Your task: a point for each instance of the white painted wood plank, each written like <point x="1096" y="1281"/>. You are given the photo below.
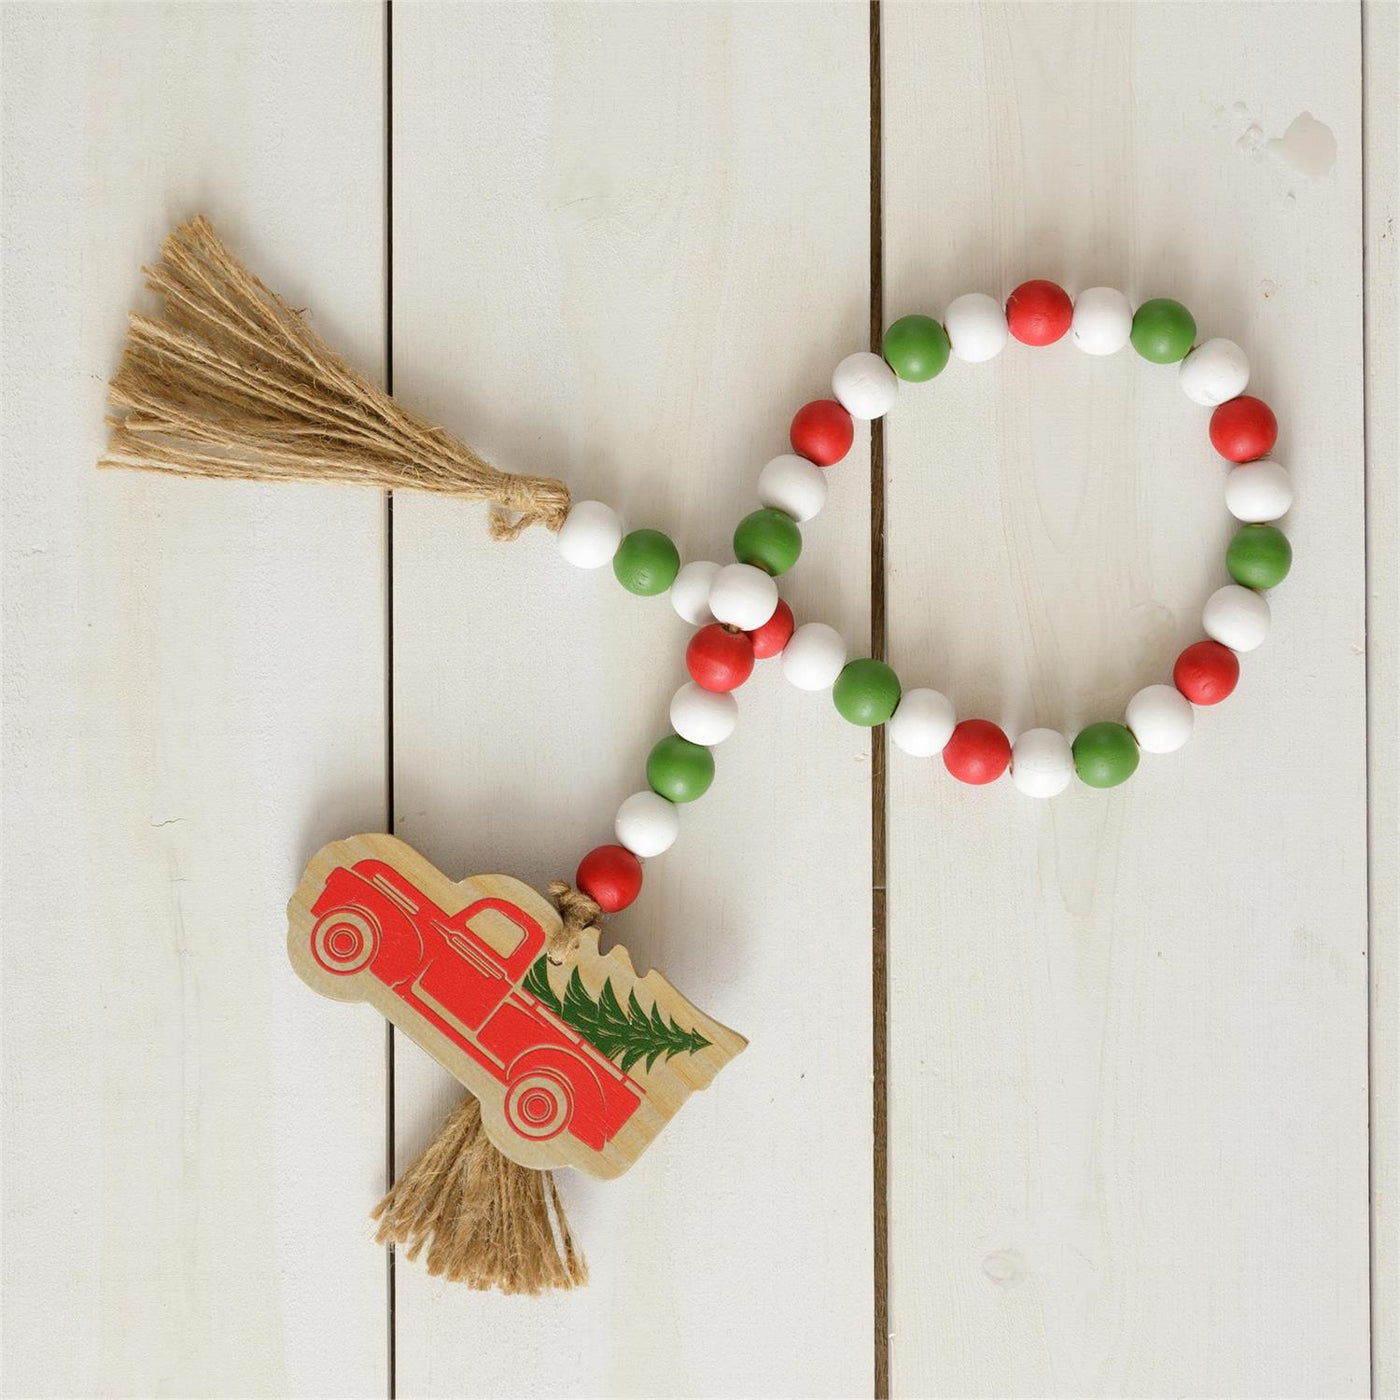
<point x="193" y="703"/>
<point x="1128" y="1030"/>
<point x="629" y="242"/>
<point x="1381" y="46"/>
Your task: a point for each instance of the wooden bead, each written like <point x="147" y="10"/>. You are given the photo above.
<point x="679" y="770"/>
<point x="590" y="534"/>
<point x="1105" y="755"/>
<point x="743" y="596"/>
<point x="976" y="326"/>
<point x="865" y="386"/>
<point x="822" y="432"/>
<point x="1243" y="429"/>
<point x="923" y="722"/>
<point x="1258" y="492"/>
<point x="774" y="635"/>
<point x="916" y="348"/>
<point x="719" y="658"/>
<point x="690" y="593"/>
<point x="793" y="485"/>
<point x="703" y="716"/>
<point x="647" y="824"/>
<point x="769" y="540"/>
<point x="813" y="658"/>
<point x="1039" y="312"/>
<point x="1102" y="323"/>
<point x="1161" y="718"/>
<point x="611" y="876"/>
<point x="1206" y="672"/>
<point x="1237" y="617"/>
<point x="1259" y="556"/>
<point x="646" y="562"/>
<point x="1041" y="760"/>
<point x="1214" y="372"/>
<point x="866" y="692"/>
<point x="1163" y="331"/>
<point x="977" y="752"/>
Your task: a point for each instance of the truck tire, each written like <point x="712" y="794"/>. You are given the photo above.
<point x="345" y="941"/>
<point x="539" y="1104"/>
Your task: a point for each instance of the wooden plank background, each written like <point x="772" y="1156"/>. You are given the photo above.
<point x="194" y="701"/>
<point x="1128" y="1054"/>
<point x="1127" y="1048"/>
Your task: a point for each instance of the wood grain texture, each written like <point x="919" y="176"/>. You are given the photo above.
<point x="193" y="703"/>
<point x="1381" y="45"/>
<point x="1128" y="1030"/>
<point x="629" y="242"/>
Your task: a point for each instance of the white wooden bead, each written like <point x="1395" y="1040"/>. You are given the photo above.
<point x="647" y="824"/>
<point x="1161" y="718"/>
<point x="1103" y="321"/>
<point x="1042" y="762"/>
<point x="590" y="535"/>
<point x="814" y="656"/>
<point x="922" y="723"/>
<point x="976" y="326"/>
<point x="1258" y="492"/>
<point x="792" y="485"/>
<point x="864" y="385"/>
<point x="1213" y="372"/>
<point x="743" y="596"/>
<point x="703" y="716"/>
<point x="1237" y="617"/>
<point x="690" y="593"/>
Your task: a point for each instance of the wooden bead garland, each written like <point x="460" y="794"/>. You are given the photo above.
<point x="190" y="381"/>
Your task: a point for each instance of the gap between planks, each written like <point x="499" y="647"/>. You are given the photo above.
<point x="390" y="1130"/>
<point x="879" y="943"/>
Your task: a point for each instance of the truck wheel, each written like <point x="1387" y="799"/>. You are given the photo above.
<point x="539" y="1105"/>
<point x="344" y="941"/>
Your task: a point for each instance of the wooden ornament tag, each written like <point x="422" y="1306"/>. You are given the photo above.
<point x="579" y="1065"/>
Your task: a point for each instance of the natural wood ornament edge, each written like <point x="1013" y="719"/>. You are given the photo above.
<point x="231" y="383"/>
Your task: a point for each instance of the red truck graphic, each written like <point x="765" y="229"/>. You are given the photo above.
<point x="371" y="922"/>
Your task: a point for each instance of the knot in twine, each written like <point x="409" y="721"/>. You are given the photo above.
<point x="578" y="912"/>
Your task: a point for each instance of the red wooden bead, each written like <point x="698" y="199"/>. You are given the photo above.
<point x="977" y="753"/>
<point x="1206" y="672"/>
<point x="1038" y="313"/>
<point x="719" y="658"/>
<point x="1244" y="428"/>
<point x="822" y="432"/>
<point x="774" y="635"/>
<point x="611" y="876"/>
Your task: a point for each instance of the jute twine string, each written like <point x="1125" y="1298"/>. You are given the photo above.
<point x="578" y="912"/>
<point x="229" y="382"/>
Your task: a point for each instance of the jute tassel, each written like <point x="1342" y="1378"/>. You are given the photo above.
<point x="484" y="1221"/>
<point x="229" y="382"/>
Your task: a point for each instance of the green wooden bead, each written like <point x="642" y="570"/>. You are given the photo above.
<point x="1259" y="556"/>
<point x="916" y="348"/>
<point x="679" y="770"/>
<point x="866" y="692"/>
<point x="646" y="562"/>
<point x="768" y="539"/>
<point x="1105" y="755"/>
<point x="1163" y="331"/>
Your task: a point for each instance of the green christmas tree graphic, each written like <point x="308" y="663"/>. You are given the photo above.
<point x="626" y="1035"/>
